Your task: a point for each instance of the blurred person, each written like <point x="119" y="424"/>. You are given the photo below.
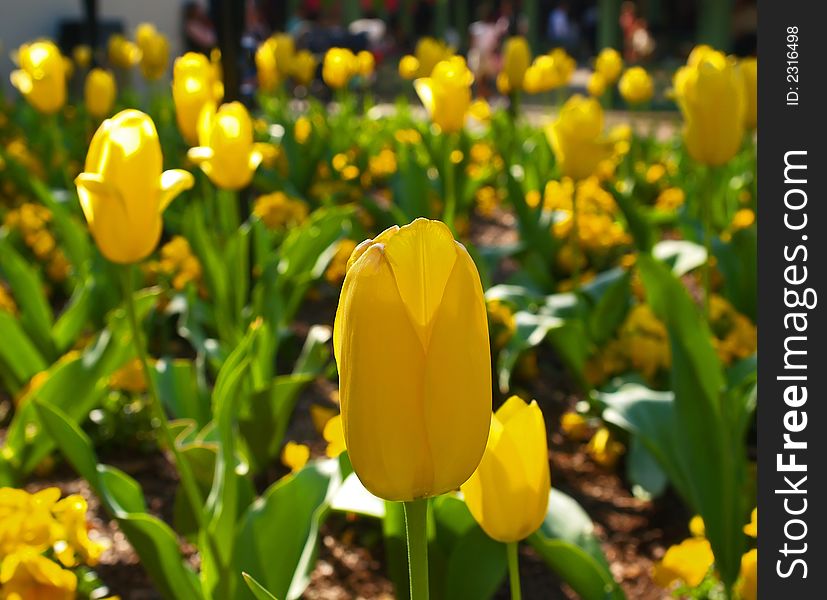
<point x="485" y="36"/>
<point x="643" y="45"/>
<point x="198" y="30"/>
<point x="515" y="21"/>
<point x="561" y="30"/>
<point x="628" y="23"/>
<point x="370" y="26"/>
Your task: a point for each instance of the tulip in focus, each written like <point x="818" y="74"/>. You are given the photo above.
<point x="710" y="95"/>
<point x="411" y="345"/>
<point x="577" y="137"/>
<point x="749" y="70"/>
<point x="226" y="152"/>
<point x="123" y="191"/>
<point x="446" y="94"/>
<point x="339" y="67"/>
<point x="508" y="493"/>
<point x="99" y="93"/>
<point x="41" y="77"/>
<point x="609" y="64"/>
<point x="154" y="48"/>
<point x="636" y="86"/>
<point x="194" y="85"/>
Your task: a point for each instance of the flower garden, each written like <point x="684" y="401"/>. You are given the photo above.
<point x="330" y="347"/>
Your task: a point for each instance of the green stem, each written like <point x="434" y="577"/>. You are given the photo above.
<point x="416" y="525"/>
<point x="156" y="410"/>
<point x="513" y="570"/>
<point x="449" y="176"/>
<point x="59" y="150"/>
<point x="575" y="244"/>
<point x="228" y="212"/>
<point x="710" y="189"/>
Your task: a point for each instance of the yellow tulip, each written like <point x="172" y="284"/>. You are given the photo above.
<point x="268" y="74"/>
<point x="609" y="64"/>
<point x="430" y="52"/>
<point x="41" y="77"/>
<point x="408" y="67"/>
<point x="123" y="54"/>
<point x="710" y="95"/>
<point x="508" y="493"/>
<point x="564" y="66"/>
<point x="154" y="48"/>
<point x="698" y="54"/>
<point x="122" y="191"/>
<point x="541" y="76"/>
<point x="226" y="152"/>
<point x="748" y="583"/>
<point x="27" y="574"/>
<point x="99" y="93"/>
<point x="577" y="137"/>
<point x="636" y="86"/>
<point x="339" y="67"/>
<point x="688" y="562"/>
<point x="516" y="60"/>
<point x="82" y="55"/>
<point x="749" y="70"/>
<point x="366" y="63"/>
<point x="446" y="94"/>
<point x="303" y="68"/>
<point x="411" y="344"/>
<point x="194" y="85"/>
<point x="596" y="85"/>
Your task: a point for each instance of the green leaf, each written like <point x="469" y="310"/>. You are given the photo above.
<point x="73" y="319"/>
<point x="177" y="382"/>
<point x="647" y="477"/>
<point x="258" y="590"/>
<point x="17" y="352"/>
<point x="567" y="543"/>
<point x="610" y="310"/>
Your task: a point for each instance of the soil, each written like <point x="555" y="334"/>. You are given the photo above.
<point x="634" y="533"/>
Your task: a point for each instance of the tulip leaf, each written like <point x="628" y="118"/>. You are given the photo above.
<point x="151" y="538"/>
<point x="737" y="262"/>
<point x="177" y="383"/>
<point x="27" y="287"/>
<point x="645" y="474"/>
<point x="74" y="317"/>
<point x="567" y="543"/>
<point x="73" y="236"/>
<point x="18" y="354"/>
<point x="258" y="590"/>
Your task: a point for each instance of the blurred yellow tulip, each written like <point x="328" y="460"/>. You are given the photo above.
<point x="749" y="70"/>
<point x="194" y="85"/>
<point x="123" y="191"/>
<point x="123" y="54"/>
<point x="28" y="574"/>
<point x="609" y="64"/>
<point x="508" y="493"/>
<point x="154" y="48"/>
<point x="698" y="54"/>
<point x="268" y="74"/>
<point x="339" y="67"/>
<point x="446" y="94"/>
<point x="541" y="76"/>
<point x="577" y="137"/>
<point x="516" y="60"/>
<point x="564" y="66"/>
<point x="748" y="584"/>
<point x="710" y="95"/>
<point x="226" y="152"/>
<point x="636" y="86"/>
<point x="596" y="85"/>
<point x="303" y="69"/>
<point x="430" y="52"/>
<point x="41" y="77"/>
<point x="411" y="344"/>
<point x="366" y="63"/>
<point x="408" y="67"/>
<point x="99" y="93"/>
<point x="82" y="55"/>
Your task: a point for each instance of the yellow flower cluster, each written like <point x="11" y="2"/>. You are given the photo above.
<point x="604" y="449"/>
<point x="428" y="53"/>
<point x="383" y="164"/>
<point x="177" y="263"/>
<point x="549" y="71"/>
<point x="32" y="221"/>
<point x="129" y="378"/>
<point x="336" y="270"/>
<point x="31" y="524"/>
<point x="278" y="211"/>
<point x="734" y="335"/>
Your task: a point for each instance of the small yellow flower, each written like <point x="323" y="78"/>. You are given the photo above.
<point x="670" y="199"/>
<point x="596" y="85"/>
<point x="278" y="211"/>
<point x="365" y="63"/>
<point x="334" y="435"/>
<point x="339" y="66"/>
<point x="636" y="86"/>
<point x="751" y="528"/>
<point x="82" y="55"/>
<point x="295" y="456"/>
<point x="604" y="449"/>
<point x="320" y="415"/>
<point x="303" y="67"/>
<point x="688" y="562"/>
<point x="302" y="130"/>
<point x="99" y="93"/>
<point x="154" y="48"/>
<point x="408" y="67"/>
<point x="697" y="527"/>
<point x="26" y="575"/>
<point x="748" y="583"/>
<point x="123" y="54"/>
<point x="743" y="218"/>
<point x="73" y="535"/>
<point x="129" y="378"/>
<point x="609" y="64"/>
<point x="575" y="426"/>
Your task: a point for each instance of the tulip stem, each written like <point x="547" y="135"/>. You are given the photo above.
<point x="449" y="180"/>
<point x="416" y="525"/>
<point x="513" y="570"/>
<point x="156" y="410"/>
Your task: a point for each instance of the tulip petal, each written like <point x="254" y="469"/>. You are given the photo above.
<point x="200" y="154"/>
<point x="422" y="256"/>
<point x="22" y="81"/>
<point x="457" y="392"/>
<point x="90" y="185"/>
<point x="173" y="182"/>
<point x="425" y="90"/>
<point x="380" y="364"/>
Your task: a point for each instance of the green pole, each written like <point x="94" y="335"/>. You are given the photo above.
<point x="461" y="19"/>
<point x="608" y="24"/>
<point x="715" y="24"/>
<point x="532" y="13"/>
<point x="441" y="20"/>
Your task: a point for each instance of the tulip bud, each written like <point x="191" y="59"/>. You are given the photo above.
<point x="749" y="69"/>
<point x="226" y="152"/>
<point x="154" y="51"/>
<point x="408" y="67"/>
<point x="303" y="68"/>
<point x="609" y="64"/>
<point x="636" y="86"/>
<point x="99" y="93"/>
<point x="446" y="94"/>
<point x="194" y="84"/>
<point x="710" y="95"/>
<point x="123" y="54"/>
<point x="596" y="85"/>
<point x="508" y="493"/>
<point x="82" y="55"/>
<point x="122" y="190"/>
<point x="411" y="345"/>
<point x="564" y="66"/>
<point x="577" y="137"/>
<point x="365" y="63"/>
<point x="516" y="60"/>
<point x="338" y="67"/>
<point x="41" y="77"/>
<point x="266" y="70"/>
